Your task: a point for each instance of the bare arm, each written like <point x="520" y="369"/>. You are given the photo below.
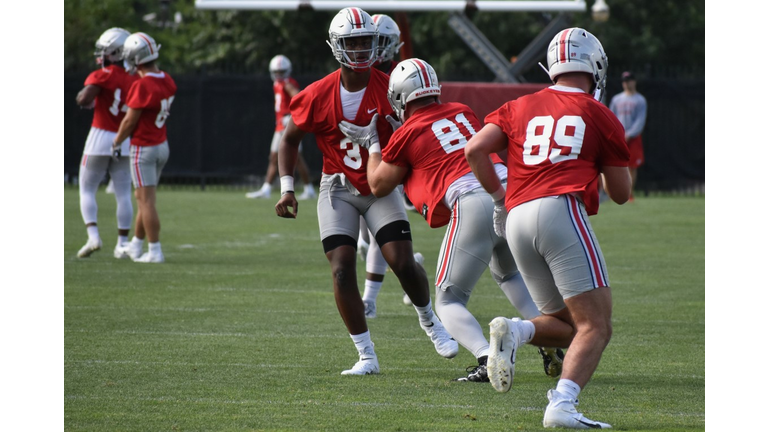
<point x="287" y="155"/>
<point x="490" y="139"/>
<point x="87" y="95"/>
<point x="383" y="177"/>
<point x="291" y="89"/>
<point x="127" y="126"/>
<point x="617" y="183"/>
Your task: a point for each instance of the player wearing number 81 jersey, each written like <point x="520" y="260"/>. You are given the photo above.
<point x="149" y="105"/>
<point x="426" y="154"/>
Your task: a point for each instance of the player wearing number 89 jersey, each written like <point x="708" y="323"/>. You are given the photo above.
<point x="559" y="143"/>
<point x="149" y="105"/>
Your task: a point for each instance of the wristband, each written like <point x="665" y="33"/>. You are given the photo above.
<point x="499" y="194"/>
<point x="286" y="184"/>
<point x="374" y="148"/>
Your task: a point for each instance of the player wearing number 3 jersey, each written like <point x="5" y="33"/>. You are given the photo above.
<point x="105" y="91"/>
<point x="149" y="105"/>
<point x="357" y="93"/>
<point x="558" y="142"/>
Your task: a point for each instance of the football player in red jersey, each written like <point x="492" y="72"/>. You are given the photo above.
<point x="355" y="92"/>
<point x="426" y="155"/>
<point x="284" y="88"/>
<point x="558" y="142"/>
<point x="105" y="91"/>
<point x="149" y="105"/>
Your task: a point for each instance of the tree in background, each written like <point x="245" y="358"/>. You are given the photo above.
<point x="639" y="34"/>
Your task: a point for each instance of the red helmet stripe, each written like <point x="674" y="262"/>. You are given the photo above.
<point x="149" y="44"/>
<point x="563" y="45"/>
<point x="357" y="20"/>
<point x="424" y="73"/>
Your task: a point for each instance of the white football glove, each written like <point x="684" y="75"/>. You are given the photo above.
<point x="286" y="119"/>
<point x="393" y="122"/>
<point x="364" y="136"/>
<point x="500" y="218"/>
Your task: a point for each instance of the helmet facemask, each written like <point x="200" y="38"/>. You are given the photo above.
<point x="353" y="39"/>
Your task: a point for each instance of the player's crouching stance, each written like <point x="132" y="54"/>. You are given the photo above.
<point x="426" y="156"/>
<point x="355" y="92"/>
<point x="558" y="142"/>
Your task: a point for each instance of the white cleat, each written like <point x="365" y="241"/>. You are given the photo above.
<point x="561" y="412"/>
<point x="110" y="187"/>
<point x="366" y="366"/>
<point x="445" y="345"/>
<point x="261" y="193"/>
<point x="505" y="341"/>
<point x="133" y="251"/>
<point x="370" y="309"/>
<point x="121" y="251"/>
<point x="407" y="300"/>
<point x="307" y="194"/>
<point x="149" y="257"/>
<point x="91" y="246"/>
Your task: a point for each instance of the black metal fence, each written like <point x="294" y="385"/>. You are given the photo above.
<point x="221" y="128"/>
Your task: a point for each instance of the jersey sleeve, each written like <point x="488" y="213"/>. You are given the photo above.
<point x="98" y="78"/>
<point x="302" y="106"/>
<point x="614" y="151"/>
<point x="394" y="153"/>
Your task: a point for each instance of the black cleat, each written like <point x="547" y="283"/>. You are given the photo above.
<point x="553" y="361"/>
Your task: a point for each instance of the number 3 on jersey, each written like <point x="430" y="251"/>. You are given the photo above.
<point x="568" y="139"/>
<point x="165" y="111"/>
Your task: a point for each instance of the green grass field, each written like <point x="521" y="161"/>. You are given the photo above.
<point x="238" y="330"/>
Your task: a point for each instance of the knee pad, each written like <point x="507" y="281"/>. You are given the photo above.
<point x="332" y="242"/>
<point x="395" y="231"/>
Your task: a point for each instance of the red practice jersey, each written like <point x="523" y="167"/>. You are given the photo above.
<point x="558" y="143"/>
<point x="153" y="94"/>
<point x="109" y="108"/>
<point x="282" y="102"/>
<point x="317" y="109"/>
<point x="431" y="145"/>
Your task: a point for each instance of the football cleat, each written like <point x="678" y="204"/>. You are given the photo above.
<point x="370" y="309"/>
<point x="366" y="366"/>
<point x="477" y="373"/>
<point x="261" y="193"/>
<point x="505" y="341"/>
<point x="133" y="250"/>
<point x="407" y="300"/>
<point x="553" y="361"/>
<point x="150" y="257"/>
<point x="121" y="251"/>
<point x="307" y="194"/>
<point x="91" y="246"/>
<point x="561" y="412"/>
<point x="445" y="345"/>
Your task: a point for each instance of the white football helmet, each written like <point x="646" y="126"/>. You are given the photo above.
<point x="110" y="45"/>
<point x="577" y="50"/>
<point x="389" y="37"/>
<point x="352" y="23"/>
<point x="139" y="49"/>
<point x="279" y="67"/>
<point x="412" y="79"/>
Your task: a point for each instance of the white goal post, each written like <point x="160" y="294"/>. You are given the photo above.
<point x="399" y="5"/>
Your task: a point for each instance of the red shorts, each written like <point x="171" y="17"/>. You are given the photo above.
<point x="636" y="155"/>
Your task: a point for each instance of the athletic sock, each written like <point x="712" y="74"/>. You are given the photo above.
<point x="371" y="292"/>
<point x="568" y="388"/>
<point x="93" y="231"/>
<point x="425" y="313"/>
<point x="364" y="344"/>
<point x="154" y="248"/>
